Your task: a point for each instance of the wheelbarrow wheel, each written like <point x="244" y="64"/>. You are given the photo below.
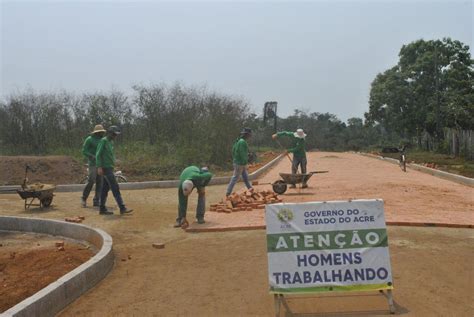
<point x="46" y="202"/>
<point x="279" y="187"/>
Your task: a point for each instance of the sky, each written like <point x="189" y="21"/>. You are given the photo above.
<point x="316" y="56"/>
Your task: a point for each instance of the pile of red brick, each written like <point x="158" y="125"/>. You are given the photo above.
<point x="246" y="201"/>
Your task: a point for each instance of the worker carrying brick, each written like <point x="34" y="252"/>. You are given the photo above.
<point x="298" y="149"/>
<point x="191" y="177"/>
<point x="240" y="158"/>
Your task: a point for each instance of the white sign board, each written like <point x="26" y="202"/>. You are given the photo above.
<point x="327" y="246"/>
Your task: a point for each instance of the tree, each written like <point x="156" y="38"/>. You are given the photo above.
<point x="430" y="88"/>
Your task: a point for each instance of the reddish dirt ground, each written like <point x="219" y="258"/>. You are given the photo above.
<point x="66" y="170"/>
<point x="30" y="262"/>
<point x="263" y="158"/>
<point x="48" y="169"/>
<point x="225" y="273"/>
<point x="412" y="197"/>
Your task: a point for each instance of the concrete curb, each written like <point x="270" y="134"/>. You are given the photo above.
<point x="57" y="295"/>
<point x="151" y="184"/>
<point x="441" y="174"/>
<point x="389" y="223"/>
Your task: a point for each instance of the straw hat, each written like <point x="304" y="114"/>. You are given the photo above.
<point x="98" y="128"/>
<point x="300" y="134"/>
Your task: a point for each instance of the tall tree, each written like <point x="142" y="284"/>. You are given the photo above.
<point x="429" y="89"/>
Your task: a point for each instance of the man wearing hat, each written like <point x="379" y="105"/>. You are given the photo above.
<point x="105" y="160"/>
<point x="89" y="149"/>
<point x="240" y="157"/>
<point x="191" y="177"/>
<point x="298" y="149"/>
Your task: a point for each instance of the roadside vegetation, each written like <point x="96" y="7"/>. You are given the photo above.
<point x="425" y="101"/>
<point x="444" y="162"/>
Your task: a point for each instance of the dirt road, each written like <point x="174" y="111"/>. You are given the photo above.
<point x="225" y="273"/>
<point x="409" y="196"/>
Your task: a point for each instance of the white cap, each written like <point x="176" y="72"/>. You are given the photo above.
<point x="300" y="134"/>
<point x="187" y="187"/>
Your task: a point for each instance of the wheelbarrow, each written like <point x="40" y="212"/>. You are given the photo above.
<point x="30" y="192"/>
<point x="280" y="186"/>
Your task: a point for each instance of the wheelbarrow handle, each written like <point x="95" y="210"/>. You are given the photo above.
<point x="258" y="183"/>
<point x="318" y="172"/>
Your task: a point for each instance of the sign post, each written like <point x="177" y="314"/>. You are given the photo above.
<point x="333" y="246"/>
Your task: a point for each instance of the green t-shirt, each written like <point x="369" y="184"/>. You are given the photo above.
<point x="200" y="179"/>
<point x="89" y="148"/>
<point x="298" y="144"/>
<point x="194" y="173"/>
<point x="105" y="153"/>
<point x="240" y="152"/>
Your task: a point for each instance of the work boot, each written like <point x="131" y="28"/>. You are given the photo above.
<point x="96" y="204"/>
<point x="178" y="223"/>
<point x="104" y="211"/>
<point x="200" y="221"/>
<point x="83" y="202"/>
<point x="125" y="211"/>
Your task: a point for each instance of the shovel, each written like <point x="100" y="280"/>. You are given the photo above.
<point x="287" y="155"/>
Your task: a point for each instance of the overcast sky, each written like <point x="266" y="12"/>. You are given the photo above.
<point x="317" y="56"/>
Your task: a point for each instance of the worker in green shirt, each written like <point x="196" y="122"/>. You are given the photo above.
<point x="105" y="160"/>
<point x="298" y="149"/>
<point x="191" y="177"/>
<point x="88" y="150"/>
<point x="240" y="157"/>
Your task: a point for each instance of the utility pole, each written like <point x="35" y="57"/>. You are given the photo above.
<point x="438" y="107"/>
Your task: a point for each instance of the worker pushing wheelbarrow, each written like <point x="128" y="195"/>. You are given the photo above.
<point x="298" y="149"/>
<point x="299" y="160"/>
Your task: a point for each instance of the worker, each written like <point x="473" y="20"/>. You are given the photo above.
<point x="298" y="149"/>
<point x="89" y="149"/>
<point x="190" y="178"/>
<point x="105" y="160"/>
<point x="240" y="154"/>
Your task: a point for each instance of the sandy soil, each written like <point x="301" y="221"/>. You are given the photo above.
<point x="30" y="262"/>
<point x="225" y="274"/>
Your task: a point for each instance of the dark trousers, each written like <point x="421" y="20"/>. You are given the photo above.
<point x="110" y="183"/>
<point x="301" y="162"/>
<point x="93" y="177"/>
<point x="183" y="204"/>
